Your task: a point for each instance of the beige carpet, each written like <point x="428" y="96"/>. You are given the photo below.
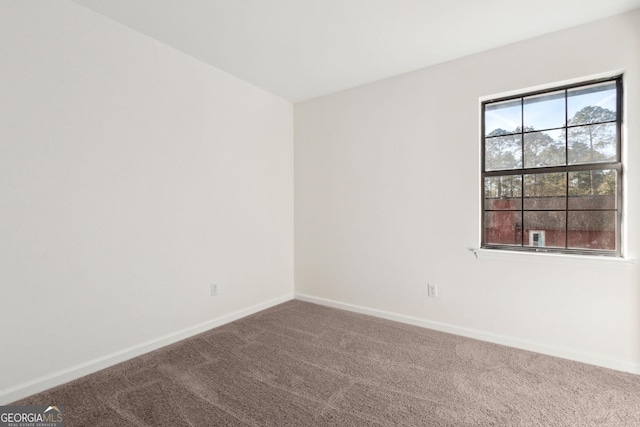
<point x="300" y="364"/>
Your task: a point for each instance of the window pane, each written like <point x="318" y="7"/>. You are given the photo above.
<point x="501" y="118"/>
<point x="592" y="144"/>
<point x="592" y="230"/>
<point x="545" y="191"/>
<point x="592" y="104"/>
<point x="544" y="111"/>
<point x="592" y="189"/>
<point x="503" y="192"/>
<point x="503" y="152"/>
<point x="503" y="228"/>
<point x="544" y="149"/>
<point x="549" y="224"/>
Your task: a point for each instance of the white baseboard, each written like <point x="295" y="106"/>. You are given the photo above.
<point x="480" y="335"/>
<point x="74" y="372"/>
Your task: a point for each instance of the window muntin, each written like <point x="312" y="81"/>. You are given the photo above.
<point x="552" y="170"/>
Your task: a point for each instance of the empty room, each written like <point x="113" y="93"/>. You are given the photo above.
<point x="310" y="213"/>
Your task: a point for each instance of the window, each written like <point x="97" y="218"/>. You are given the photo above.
<point x="536" y="238"/>
<point x="552" y="170"/>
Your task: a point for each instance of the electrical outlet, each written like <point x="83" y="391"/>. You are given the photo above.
<point x="214" y="289"/>
<point x="432" y="290"/>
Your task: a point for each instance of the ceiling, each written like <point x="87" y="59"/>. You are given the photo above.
<point x="301" y="49"/>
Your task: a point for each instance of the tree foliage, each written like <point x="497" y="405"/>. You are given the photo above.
<point x="591" y="138"/>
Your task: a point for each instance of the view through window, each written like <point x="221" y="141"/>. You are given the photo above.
<point x="552" y="170"/>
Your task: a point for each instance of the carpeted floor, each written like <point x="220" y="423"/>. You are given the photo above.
<point x="300" y="364"/>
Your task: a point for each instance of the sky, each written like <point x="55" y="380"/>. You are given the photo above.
<point x="547" y="111"/>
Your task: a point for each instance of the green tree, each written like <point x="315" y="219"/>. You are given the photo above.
<point x="589" y="183"/>
<point x="592" y="138"/>
<point x="540" y="149"/>
<point x="503" y="150"/>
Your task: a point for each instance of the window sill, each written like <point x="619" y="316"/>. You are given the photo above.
<point x="500" y="254"/>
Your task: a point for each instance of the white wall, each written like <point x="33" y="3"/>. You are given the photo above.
<point x="387" y="200"/>
<point x="131" y="177"/>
